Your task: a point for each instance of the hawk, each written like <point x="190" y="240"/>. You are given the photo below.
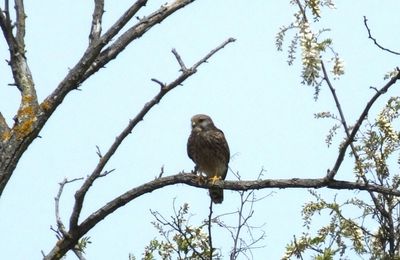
<point x="208" y="149"/>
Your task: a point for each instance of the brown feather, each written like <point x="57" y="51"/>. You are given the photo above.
<point x="208" y="149"/>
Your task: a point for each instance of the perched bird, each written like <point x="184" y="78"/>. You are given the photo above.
<point x="208" y="149"/>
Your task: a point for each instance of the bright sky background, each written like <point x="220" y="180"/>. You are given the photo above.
<point x="247" y="88"/>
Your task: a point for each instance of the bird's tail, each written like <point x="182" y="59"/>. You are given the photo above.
<point x="217" y="195"/>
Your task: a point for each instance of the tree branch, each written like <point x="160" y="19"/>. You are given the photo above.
<point x="95" y="30"/>
<point x="192" y="180"/>
<point x="133" y="33"/>
<point x="20" y="12"/>
<point x="123" y="20"/>
<point x="23" y="131"/>
<point x="375" y="41"/>
<point x="349" y="139"/>
<point x="64" y="244"/>
<point x="331" y="174"/>
<point x="210" y="229"/>
<point x="5" y="24"/>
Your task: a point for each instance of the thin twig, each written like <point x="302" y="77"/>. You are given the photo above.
<point x="375" y="41"/>
<point x="162" y="85"/>
<point x="240" y="246"/>
<point x="60" y="225"/>
<point x="5" y="24"/>
<point x="161" y="172"/>
<point x="210" y="229"/>
<point x="105" y="173"/>
<point x="176" y="225"/>
<point x="333" y="172"/>
<point x="179" y="59"/>
<point x="212" y="52"/>
<point x="98" y="152"/>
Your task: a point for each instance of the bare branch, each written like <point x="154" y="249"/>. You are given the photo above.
<point x="20" y="11"/>
<point x="179" y="59"/>
<point x="133" y="33"/>
<point x="5" y="24"/>
<point x="98" y="152"/>
<point x="161" y="172"/>
<point x="60" y="225"/>
<point x="333" y="172"/>
<point x="122" y="21"/>
<point x="212" y="52"/>
<point x="105" y="173"/>
<point x="375" y="41"/>
<point x="357" y="125"/>
<point x="210" y="229"/>
<point x="162" y="85"/>
<point x="95" y="30"/>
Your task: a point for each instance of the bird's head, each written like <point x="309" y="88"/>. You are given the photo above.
<point x="202" y="123"/>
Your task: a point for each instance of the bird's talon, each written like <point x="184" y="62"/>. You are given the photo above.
<point x="214" y="179"/>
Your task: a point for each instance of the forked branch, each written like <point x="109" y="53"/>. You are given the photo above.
<point x="360" y="120"/>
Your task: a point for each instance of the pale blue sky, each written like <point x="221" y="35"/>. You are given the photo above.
<point x="247" y="88"/>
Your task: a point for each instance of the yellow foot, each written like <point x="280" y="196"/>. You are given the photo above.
<point x="215" y="179"/>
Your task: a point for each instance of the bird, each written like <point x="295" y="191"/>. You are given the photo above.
<point x="209" y="150"/>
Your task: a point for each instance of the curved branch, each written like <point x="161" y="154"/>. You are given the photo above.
<point x="375" y="41"/>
